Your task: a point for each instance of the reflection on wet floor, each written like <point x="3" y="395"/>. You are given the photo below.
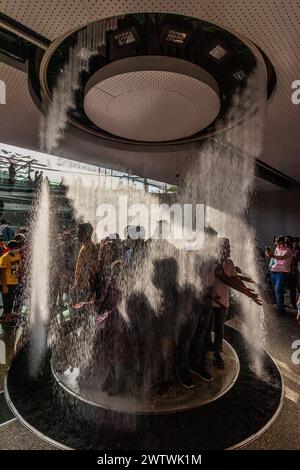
<point x="178" y="398"/>
<point x="7" y="343"/>
<point x="281" y="334"/>
<point x="5" y="413"/>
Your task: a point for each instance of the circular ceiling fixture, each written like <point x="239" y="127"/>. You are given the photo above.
<point x="153" y="78"/>
<point x="152" y="99"/>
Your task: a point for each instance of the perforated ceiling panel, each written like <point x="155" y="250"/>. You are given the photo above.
<point x="46" y="17"/>
<point x="152" y="105"/>
<point x="19" y="117"/>
<point x="273" y="25"/>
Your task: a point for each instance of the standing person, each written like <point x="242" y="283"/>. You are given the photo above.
<point x="205" y="266"/>
<point x="8" y="233"/>
<point x="127" y="244"/>
<point x="3" y="225"/>
<point x="280" y="271"/>
<point x="70" y="251"/>
<point x="136" y="245"/>
<point x="9" y="267"/>
<point x="269" y="293"/>
<point x="23" y="251"/>
<point x="36" y="177"/>
<point x="294" y="274"/>
<point x="197" y="353"/>
<point x="2" y="248"/>
<point x="225" y="276"/>
<point x="297" y="247"/>
<point x="272" y="260"/>
<point x="12" y="173"/>
<point x="164" y="326"/>
<point x="86" y="265"/>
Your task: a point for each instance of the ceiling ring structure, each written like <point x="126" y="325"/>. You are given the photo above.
<point x="271" y="26"/>
<point x="119" y="138"/>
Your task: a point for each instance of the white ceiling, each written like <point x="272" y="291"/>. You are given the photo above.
<point x="19" y="118"/>
<point x="272" y="25"/>
<point x="19" y="126"/>
<point x="152" y="105"/>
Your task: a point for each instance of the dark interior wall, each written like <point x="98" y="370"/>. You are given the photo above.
<point x="276" y="212"/>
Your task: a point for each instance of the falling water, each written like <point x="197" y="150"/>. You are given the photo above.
<point x="39" y="279"/>
<point x="90" y="40"/>
<point x="222" y="177"/>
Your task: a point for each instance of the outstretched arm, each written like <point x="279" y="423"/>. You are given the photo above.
<point x="242" y="276"/>
<point x="236" y="283"/>
<point x="269" y="254"/>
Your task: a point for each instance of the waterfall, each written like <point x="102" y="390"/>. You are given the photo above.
<point x="39" y="278"/>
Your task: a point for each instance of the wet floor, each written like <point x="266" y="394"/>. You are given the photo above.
<point x="283" y="434"/>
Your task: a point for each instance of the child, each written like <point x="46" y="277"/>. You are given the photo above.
<point x="9" y="276"/>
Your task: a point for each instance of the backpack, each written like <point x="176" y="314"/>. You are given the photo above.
<point x="8" y="234"/>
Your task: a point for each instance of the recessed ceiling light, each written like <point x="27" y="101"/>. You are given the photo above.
<point x="126" y="37"/>
<point x="239" y="75"/>
<point x="85" y="54"/>
<point x="218" y="53"/>
<point x="177" y="37"/>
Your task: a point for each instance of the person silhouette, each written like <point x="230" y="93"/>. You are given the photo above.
<point x="144" y="330"/>
<point x="179" y="310"/>
<point x="205" y="270"/>
<point x="164" y="278"/>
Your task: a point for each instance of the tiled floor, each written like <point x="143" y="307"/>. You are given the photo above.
<point x="283" y="434"/>
<point x="14" y="436"/>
